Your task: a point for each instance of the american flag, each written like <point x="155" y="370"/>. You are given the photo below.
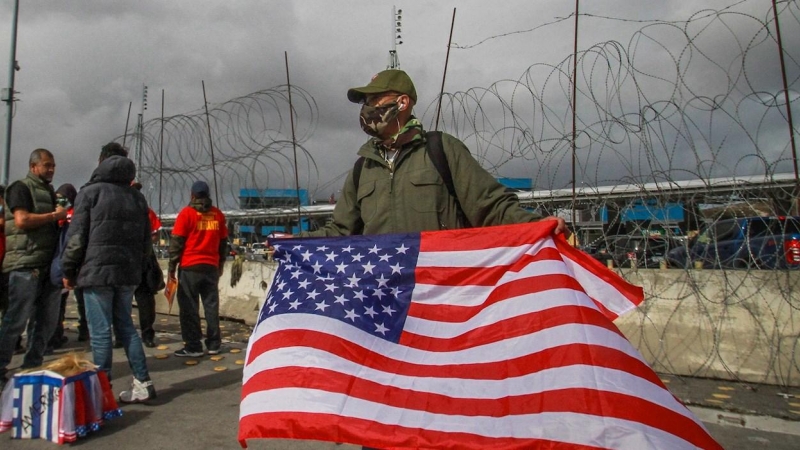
<point x="491" y="338"/>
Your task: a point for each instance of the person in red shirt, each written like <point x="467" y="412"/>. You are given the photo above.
<point x="198" y="246"/>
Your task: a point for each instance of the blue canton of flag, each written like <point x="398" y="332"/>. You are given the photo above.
<point x="363" y="281"/>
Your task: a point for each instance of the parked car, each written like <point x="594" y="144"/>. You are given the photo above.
<point x="598" y="249"/>
<point x="743" y="242"/>
<point x="637" y="251"/>
<point x="626" y="250"/>
<point x="259" y="250"/>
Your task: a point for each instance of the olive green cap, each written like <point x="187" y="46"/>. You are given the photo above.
<point x="393" y="80"/>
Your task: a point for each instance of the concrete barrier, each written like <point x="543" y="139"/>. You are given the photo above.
<point x="241" y="302"/>
<point x="733" y="325"/>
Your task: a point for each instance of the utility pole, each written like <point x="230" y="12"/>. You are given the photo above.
<point x="8" y="94"/>
<point x="397" y="16"/>
<point x="796" y="201"/>
<point x="574" y="119"/>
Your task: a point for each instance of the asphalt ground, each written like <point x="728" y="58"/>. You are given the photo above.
<point x="198" y="401"/>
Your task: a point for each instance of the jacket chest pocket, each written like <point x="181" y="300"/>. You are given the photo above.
<point x="424" y="191"/>
<point x="368" y="200"/>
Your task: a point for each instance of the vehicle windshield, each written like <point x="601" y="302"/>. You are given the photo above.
<point x="759" y="227"/>
<point x="719" y="231"/>
<point x="630" y="243"/>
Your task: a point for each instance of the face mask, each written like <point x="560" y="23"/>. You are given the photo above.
<point x="375" y="119"/>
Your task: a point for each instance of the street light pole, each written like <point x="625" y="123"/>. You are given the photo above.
<point x="8" y="96"/>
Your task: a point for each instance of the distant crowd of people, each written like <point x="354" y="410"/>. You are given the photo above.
<point x="97" y="242"/>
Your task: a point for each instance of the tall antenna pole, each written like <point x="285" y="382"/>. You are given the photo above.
<point x="8" y="96"/>
<point x="294" y="141"/>
<point x="397" y="16"/>
<point x="211" y="145"/>
<point x="161" y="157"/>
<point x="444" y="75"/>
<point x="138" y="148"/>
<point x="574" y="112"/>
<point x="127" y="121"/>
<point x="140" y="134"/>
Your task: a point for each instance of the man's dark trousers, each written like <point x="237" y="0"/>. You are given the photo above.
<point x="31" y="296"/>
<point x="201" y="282"/>
<point x="146" y="302"/>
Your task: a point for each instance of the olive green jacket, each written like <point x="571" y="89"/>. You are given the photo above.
<point x="412" y="196"/>
<point x="34" y="248"/>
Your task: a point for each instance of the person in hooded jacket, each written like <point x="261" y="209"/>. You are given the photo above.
<point x="107" y="244"/>
<point x="198" y="245"/>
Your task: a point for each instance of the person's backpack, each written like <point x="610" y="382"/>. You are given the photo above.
<point x="56" y="270"/>
<point x="435" y="151"/>
<point x="152" y="275"/>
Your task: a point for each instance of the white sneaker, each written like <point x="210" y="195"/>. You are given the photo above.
<point x="141" y="391"/>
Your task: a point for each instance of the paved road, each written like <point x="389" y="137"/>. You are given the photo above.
<point x="198" y="405"/>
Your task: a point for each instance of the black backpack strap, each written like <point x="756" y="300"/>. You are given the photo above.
<point x="357" y="171"/>
<point x="356" y="178"/>
<point x="435" y="150"/>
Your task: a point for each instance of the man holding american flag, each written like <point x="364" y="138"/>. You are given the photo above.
<point x="461" y="338"/>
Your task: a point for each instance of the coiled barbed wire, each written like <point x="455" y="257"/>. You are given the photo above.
<point x="252" y="144"/>
<point x="698" y="100"/>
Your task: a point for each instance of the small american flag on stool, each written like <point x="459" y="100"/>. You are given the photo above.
<point x="47" y="405"/>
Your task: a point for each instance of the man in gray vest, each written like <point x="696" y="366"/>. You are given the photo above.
<point x="31" y="225"/>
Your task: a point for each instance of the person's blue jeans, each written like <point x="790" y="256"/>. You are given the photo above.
<point x="32" y="297"/>
<point x="107" y="307"/>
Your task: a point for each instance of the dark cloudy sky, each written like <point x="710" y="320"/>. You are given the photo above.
<point x="82" y="62"/>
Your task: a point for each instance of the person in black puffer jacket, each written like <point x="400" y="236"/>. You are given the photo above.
<point x="107" y="245"/>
